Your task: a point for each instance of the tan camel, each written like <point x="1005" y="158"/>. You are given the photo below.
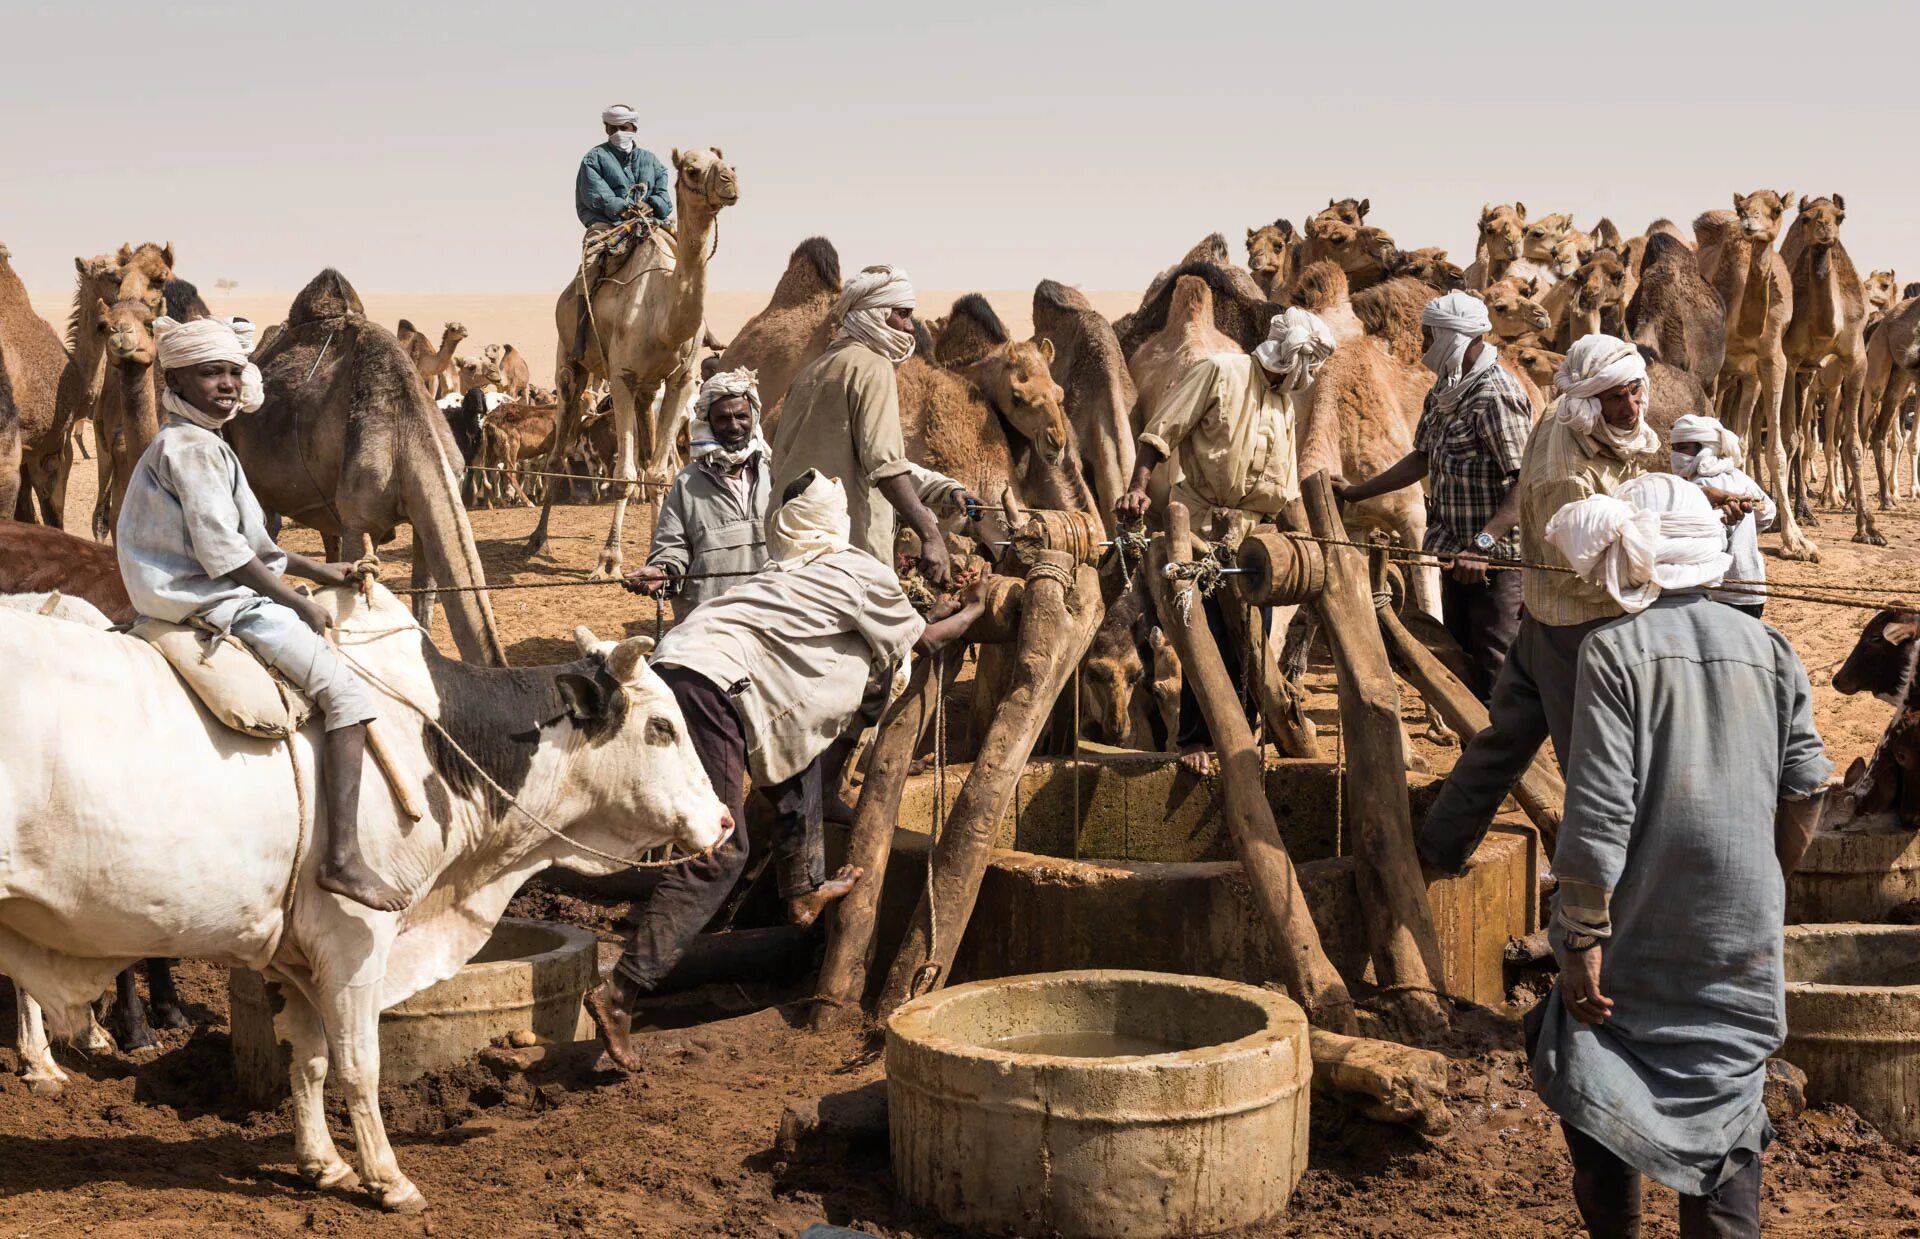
<point x="1089" y="367"/>
<point x="1893" y="357"/>
<point x="127" y="415"/>
<point x="1592" y="299"/>
<point x="515" y="380"/>
<point x="1367" y="254"/>
<point x="98" y="280"/>
<point x="1881" y="289"/>
<point x="1517" y="318"/>
<point x="1429" y="265"/>
<point x="348" y="444"/>
<point x="1675" y="312"/>
<point x="1502" y="236"/>
<point x="796" y="327"/>
<point x="37" y="370"/>
<point x="1571" y="251"/>
<point x="1322" y="289"/>
<point x="1735" y="255"/>
<point x="1540" y="243"/>
<point x="1826" y="329"/>
<point x="479" y="374"/>
<point x="643" y="331"/>
<point x="1273" y="255"/>
<point x="438" y="368"/>
<point x="1537" y="362"/>
<point x="1188" y="335"/>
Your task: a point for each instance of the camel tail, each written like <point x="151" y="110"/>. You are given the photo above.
<point x="442" y="535"/>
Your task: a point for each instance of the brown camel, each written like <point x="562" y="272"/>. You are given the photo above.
<point x="1089" y="366"/>
<point x="1537" y="362"/>
<point x="1187" y="331"/>
<point x="643" y="331"/>
<point x="11" y="483"/>
<point x="1893" y="357"/>
<point x="1592" y="299"/>
<point x="1502" y="236"/>
<point x="38" y="370"/>
<point x="438" y="369"/>
<point x="98" y="281"/>
<point x="515" y="380"/>
<point x="1540" y="243"/>
<point x="796" y="327"/>
<point x="479" y="374"/>
<point x="1736" y="256"/>
<point x="349" y="444"/>
<point x="1273" y="255"/>
<point x="1130" y="678"/>
<point x="1429" y="265"/>
<point x="127" y="415"/>
<point x="1517" y="318"/>
<point x="1828" y="322"/>
<point x="515" y="435"/>
<point x="1367" y="254"/>
<point x="1677" y="313"/>
<point x="1322" y="289"/>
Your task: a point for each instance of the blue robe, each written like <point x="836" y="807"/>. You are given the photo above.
<point x="610" y="180"/>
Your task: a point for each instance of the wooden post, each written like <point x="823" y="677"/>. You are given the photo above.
<point x="1056" y="627"/>
<point x="1393" y="893"/>
<point x="1282" y="706"/>
<point x="1304" y="968"/>
<point x="843" y="974"/>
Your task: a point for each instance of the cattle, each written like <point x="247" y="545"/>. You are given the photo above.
<point x="1882" y="663"/>
<point x="132" y="824"/>
<point x="41" y="559"/>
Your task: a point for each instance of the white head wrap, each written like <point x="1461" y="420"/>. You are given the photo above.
<point x="1720" y="453"/>
<point x="1595" y="364"/>
<point x="862" y="311"/>
<point x="619" y="114"/>
<point x="811" y="524"/>
<point x="1456" y="320"/>
<point x="1656" y="532"/>
<point x="1297" y="342"/>
<point x="202" y="340"/>
<point x="701" y="442"/>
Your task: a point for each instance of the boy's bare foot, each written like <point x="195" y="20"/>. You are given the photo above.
<point x="357" y="882"/>
<point x="1195" y="758"/>
<point x="806" y="908"/>
<point x="607" y="1003"/>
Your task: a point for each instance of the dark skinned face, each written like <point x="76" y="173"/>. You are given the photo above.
<point x="731" y="420"/>
<point x="900" y="319"/>
<point x="1621" y="405"/>
<point x="213" y="387"/>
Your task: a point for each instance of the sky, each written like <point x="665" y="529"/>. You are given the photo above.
<point x="431" y="147"/>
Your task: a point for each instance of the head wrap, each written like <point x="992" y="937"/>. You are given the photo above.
<point x="1656" y="532"/>
<point x="1595" y="364"/>
<point x="1297" y="342"/>
<point x="202" y="340"/>
<point x="862" y="311"/>
<point x="1456" y="320"/>
<point x="619" y="114"/>
<point x="1720" y="453"/>
<point x="700" y="438"/>
<point x="811" y="524"/>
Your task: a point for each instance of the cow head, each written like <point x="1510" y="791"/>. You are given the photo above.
<point x="633" y="780"/>
<point x="1882" y="661"/>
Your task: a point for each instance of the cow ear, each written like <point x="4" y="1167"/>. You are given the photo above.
<point x="1901" y="631"/>
<point x="623" y="660"/>
<point x="585" y="695"/>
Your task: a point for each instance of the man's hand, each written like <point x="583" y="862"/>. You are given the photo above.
<point x="1341" y="488"/>
<point x="649" y="579"/>
<point x="312" y="614"/>
<point x="1733" y="508"/>
<point x="936" y="562"/>
<point x="1470" y="568"/>
<point x="334" y="576"/>
<point x="1580" y="986"/>
<point x="1133" y="505"/>
<point x="969" y="502"/>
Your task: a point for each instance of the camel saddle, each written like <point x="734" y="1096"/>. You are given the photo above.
<point x="228" y="678"/>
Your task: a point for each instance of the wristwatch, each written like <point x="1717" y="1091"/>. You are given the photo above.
<point x="1484" y="542"/>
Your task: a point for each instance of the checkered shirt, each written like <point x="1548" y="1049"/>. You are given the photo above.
<point x="1474" y="445"/>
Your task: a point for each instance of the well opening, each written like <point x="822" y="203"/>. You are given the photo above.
<point x="1866" y="956"/>
<point x="1093" y="1018"/>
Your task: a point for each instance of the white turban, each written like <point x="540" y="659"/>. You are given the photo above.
<point x="1656" y="532"/>
<point x="1595" y="364"/>
<point x="862" y="311"/>
<point x="700" y="439"/>
<point x="811" y="524"/>
<point x="1721" y="451"/>
<point x="619" y="114"/>
<point x="202" y="340"/>
<point x="1297" y="342"/>
<point x="1456" y="320"/>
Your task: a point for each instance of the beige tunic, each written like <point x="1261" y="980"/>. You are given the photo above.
<point x="1561" y="467"/>
<point x="1230" y="437"/>
<point x="842" y="417"/>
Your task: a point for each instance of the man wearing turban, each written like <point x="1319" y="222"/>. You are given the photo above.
<point x="842" y="418"/>
<point x="193" y="548"/>
<point x="1709" y="455"/>
<point x="618" y="180"/>
<point x="1472" y="434"/>
<point x="1691" y="779"/>
<point x="1227" y="428"/>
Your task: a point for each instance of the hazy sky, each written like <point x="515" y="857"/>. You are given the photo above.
<point x="431" y="146"/>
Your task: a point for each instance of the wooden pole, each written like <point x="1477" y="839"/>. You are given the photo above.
<point x="1393" y="893"/>
<point x="1056" y="627"/>
<point x="843" y="974"/>
<point x="1304" y="968"/>
<point x="1282" y="706"/>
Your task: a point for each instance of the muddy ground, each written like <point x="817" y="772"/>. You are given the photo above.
<point x="159" y="1144"/>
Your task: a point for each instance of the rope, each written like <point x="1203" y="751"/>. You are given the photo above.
<point x="571" y="477"/>
<point x="1204" y="576"/>
<point x="580" y="584"/>
<point x="301" y="838"/>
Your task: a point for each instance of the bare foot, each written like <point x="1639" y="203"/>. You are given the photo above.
<point x="803" y="910"/>
<point x="1196" y="759"/>
<point x="355" y="881"/>
<point x="614" y="1022"/>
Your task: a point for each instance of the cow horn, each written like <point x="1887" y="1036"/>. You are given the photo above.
<point x="1899" y="633"/>
<point x="588" y="643"/>
<point x="623" y="661"/>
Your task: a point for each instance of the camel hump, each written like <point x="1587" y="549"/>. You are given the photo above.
<point x="975" y="308"/>
<point x="1661" y="245"/>
<point x="1322" y="285"/>
<point x="1053" y="295"/>
<point x="1714" y="227"/>
<point x="327" y="295"/>
<point x="816" y="263"/>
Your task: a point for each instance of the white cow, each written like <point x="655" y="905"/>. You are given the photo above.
<point x="132" y="824"/>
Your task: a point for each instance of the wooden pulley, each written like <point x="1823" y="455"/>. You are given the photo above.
<point x="1276" y="570"/>
<point x="1077" y="533"/>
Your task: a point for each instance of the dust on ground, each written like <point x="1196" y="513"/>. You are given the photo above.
<point x="159" y="1144"/>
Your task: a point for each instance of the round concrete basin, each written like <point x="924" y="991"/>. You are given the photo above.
<point x="1854" y="875"/>
<point x="1099" y="1103"/>
<point x="528" y="978"/>
<point x="1853" y="1020"/>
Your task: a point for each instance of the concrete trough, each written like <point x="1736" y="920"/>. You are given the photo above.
<point x="1853" y="1020"/>
<point x="1855" y="875"/>
<point x="528" y="978"/>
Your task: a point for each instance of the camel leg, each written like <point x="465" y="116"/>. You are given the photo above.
<point x="352" y="1019"/>
<point x="422" y="578"/>
<point x="1850" y="450"/>
<point x="1772" y="378"/>
<point x="630" y="401"/>
<point x="43" y="1075"/>
<point x="1886" y="437"/>
<point x="571" y="379"/>
<point x="1834" y="446"/>
<point x="319" y="1161"/>
<point x="1800" y="415"/>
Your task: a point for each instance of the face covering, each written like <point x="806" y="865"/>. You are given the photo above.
<point x="623" y="140"/>
<point x="1444" y="357"/>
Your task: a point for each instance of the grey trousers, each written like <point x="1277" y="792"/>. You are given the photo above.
<point x="1532" y="701"/>
<point x="1607" y="1190"/>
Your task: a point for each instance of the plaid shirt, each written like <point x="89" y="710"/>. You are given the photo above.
<point x="1474" y="445"/>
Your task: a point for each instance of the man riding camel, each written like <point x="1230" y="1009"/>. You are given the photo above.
<point x="193" y="549"/>
<point x="618" y="181"/>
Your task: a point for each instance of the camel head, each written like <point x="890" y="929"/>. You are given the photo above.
<point x="1267" y="250"/>
<point x="1821" y="219"/>
<point x="127" y="327"/>
<point x="1429" y="265"/>
<point x="482" y="373"/>
<point x="1503" y="230"/>
<point x="707" y="182"/>
<point x="1543" y="234"/>
<point x="1512" y="309"/>
<point x="1126" y="647"/>
<point x="1356" y="247"/>
<point x="1599" y="295"/>
<point x="1760" y="213"/>
<point x="1539" y="363"/>
<point x="452" y="334"/>
<point x="1017" y="379"/>
<point x="1880" y="288"/>
<point x="144" y="273"/>
<point x="1351" y="211"/>
<point x="1572" y="251"/>
<point x="494" y="353"/>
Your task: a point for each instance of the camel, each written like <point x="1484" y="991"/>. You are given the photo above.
<point x="1893" y="357"/>
<point x="1537" y="362"/>
<point x="1129" y="683"/>
<point x="1592" y="299"/>
<point x="348" y="444"/>
<point x="1185" y="328"/>
<point x="1089" y="366"/>
<point x="1517" y="318"/>
<point x="99" y="280"/>
<point x="1367" y="254"/>
<point x="1881" y="289"/>
<point x="1322" y="289"/>
<point x="1429" y="265"/>
<point x="796" y="327"/>
<point x="127" y="415"/>
<point x="1273" y="255"/>
<point x="1572" y="250"/>
<point x="1539" y="245"/>
<point x="1502" y="234"/>
<point x="1240" y="311"/>
<point x="643" y="329"/>
<point x="40" y="377"/>
<point x="515" y="380"/>
<point x="479" y="374"/>
<point x="11" y="481"/>
<point x="1677" y="313"/>
<point x="514" y="435"/>
<point x="1828" y="321"/>
<point x="438" y="369"/>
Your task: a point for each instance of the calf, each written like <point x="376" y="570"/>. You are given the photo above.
<point x="1882" y="663"/>
<point x="38" y="559"/>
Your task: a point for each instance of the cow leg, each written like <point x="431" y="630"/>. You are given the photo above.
<point x="128" y="1017"/>
<point x="313" y="1148"/>
<point x="164" y="998"/>
<point x="352" y="1016"/>
<point x="43" y="1075"/>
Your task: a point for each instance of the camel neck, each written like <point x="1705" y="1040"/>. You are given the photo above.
<point x="694" y="236"/>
